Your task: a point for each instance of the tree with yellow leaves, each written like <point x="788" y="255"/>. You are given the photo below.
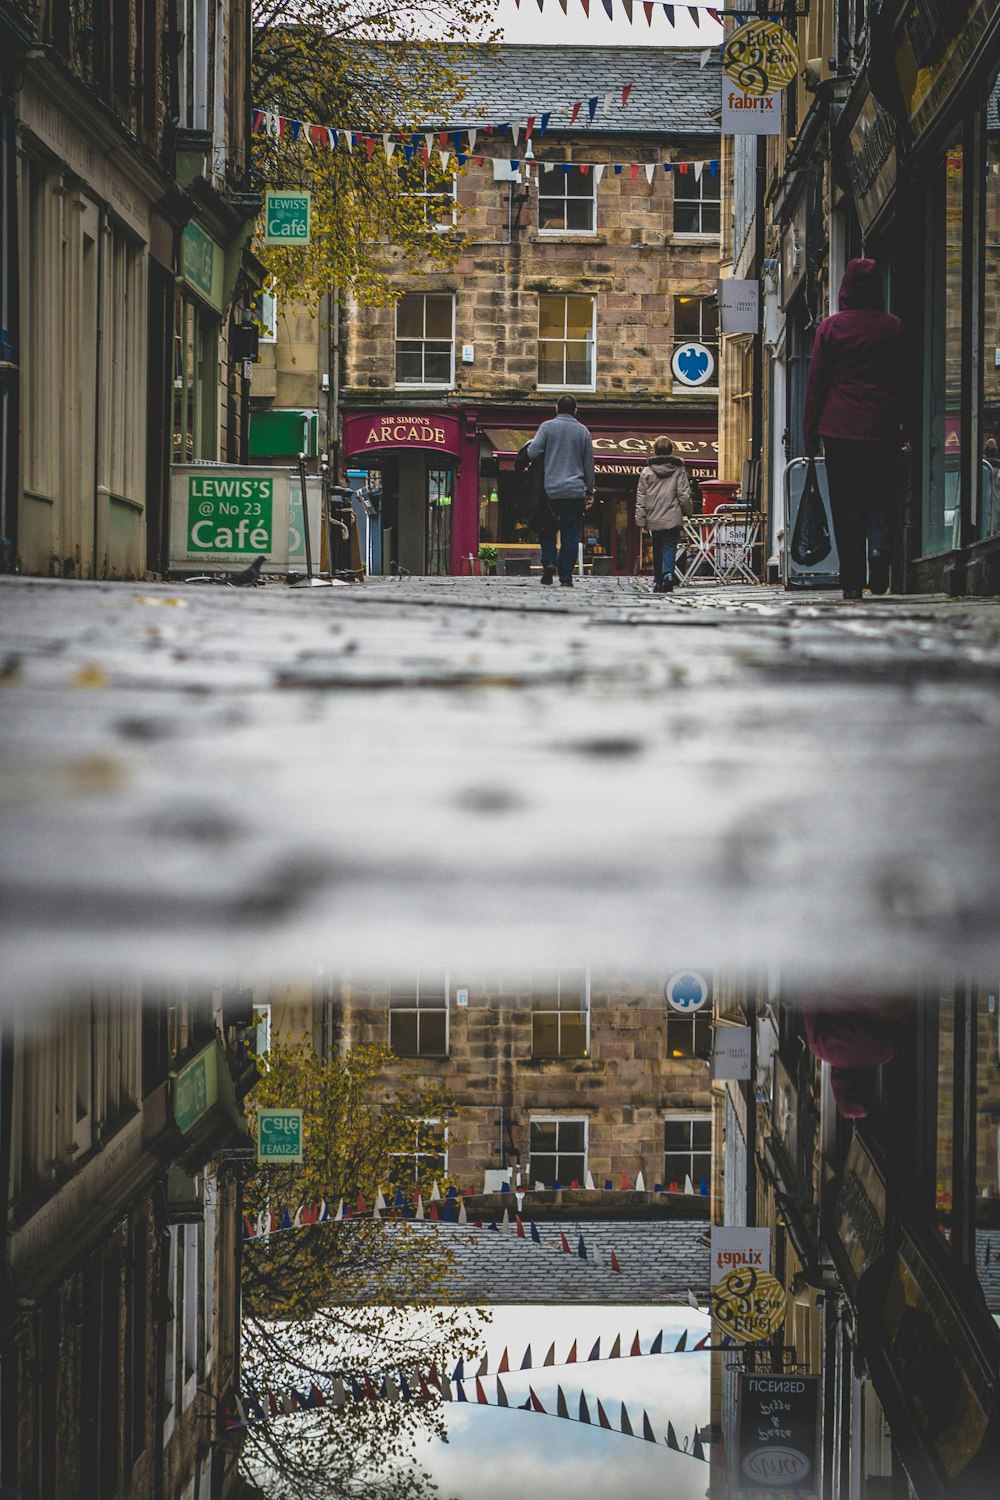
<point x="368" y="70"/>
<point x="351" y="1307"/>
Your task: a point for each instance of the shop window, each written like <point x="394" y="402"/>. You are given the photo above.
<point x="440" y="485"/>
<point x="566" y="341"/>
<point x="567" y="200"/>
<point x="989" y="472"/>
<point x="696" y="321"/>
<point x="942" y="510"/>
<point x="425" y="339"/>
<point x="689" y="1036"/>
<point x="418" y="1016"/>
<point x="433" y="192"/>
<point x="687" y="1151"/>
<point x="697" y="203"/>
<point x="560" y="1014"/>
<point x="558" y="1151"/>
<point x="425" y="1159"/>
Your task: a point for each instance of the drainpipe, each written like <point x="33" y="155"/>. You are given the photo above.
<point x="98" y="350"/>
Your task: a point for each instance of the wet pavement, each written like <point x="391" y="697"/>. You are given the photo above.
<point x="210" y="782"/>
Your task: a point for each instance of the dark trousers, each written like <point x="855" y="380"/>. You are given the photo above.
<point x="862" y="479"/>
<point x="566" y="522"/>
<point x="665" y="553"/>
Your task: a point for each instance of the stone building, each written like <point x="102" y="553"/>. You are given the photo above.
<point x="586" y="234"/>
<point x="121" y="1137"/>
<point x="125" y="226"/>
<point x="559" y="1080"/>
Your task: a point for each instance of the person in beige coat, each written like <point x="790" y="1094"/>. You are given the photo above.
<point x="662" y="501"/>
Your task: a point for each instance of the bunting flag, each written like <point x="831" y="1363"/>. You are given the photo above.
<point x="681" y="1343"/>
<point x="526" y="1361"/>
<point x="503" y="1367"/>
<point x="571" y="1356"/>
<point x="602" y="1415"/>
<point x="640" y="1181"/>
<point x="550" y="1358"/>
<point x="635" y="1349"/>
<point x="656" y="1346"/>
<point x="501" y="1393"/>
<point x="584" y="1410"/>
<point x="562" y="1410"/>
<point x="647" y="1429"/>
<point x="626" y="1425"/>
<point x="616" y="1347"/>
<point x="595" y="1353"/>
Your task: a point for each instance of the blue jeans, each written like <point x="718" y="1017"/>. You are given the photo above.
<point x="568" y="526"/>
<point x="665" y="553"/>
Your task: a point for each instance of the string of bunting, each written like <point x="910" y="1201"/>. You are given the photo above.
<point x="649" y="7"/>
<point x="244" y="1410"/>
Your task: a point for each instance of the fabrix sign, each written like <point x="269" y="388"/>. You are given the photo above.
<point x="749" y="114"/>
<point x="735" y="1248"/>
<point x="279" y="1135"/>
<point x="778" y="1435"/>
<point x="286" y="218"/>
<point x="224" y="516"/>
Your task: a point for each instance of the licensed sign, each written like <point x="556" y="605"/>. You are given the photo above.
<point x="778" y="1435"/>
<point x="279" y="1135"/>
<point x="287" y="218"/>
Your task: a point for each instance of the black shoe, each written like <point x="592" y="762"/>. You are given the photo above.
<point x="668" y="586"/>
<point x="566" y="583"/>
<point x="658" y="586"/>
<point x="878" y="573"/>
<point x="548" y="572"/>
<point x="853" y="593"/>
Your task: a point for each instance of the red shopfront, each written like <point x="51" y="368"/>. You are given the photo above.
<point x="622" y="448"/>
<point x="422" y="467"/>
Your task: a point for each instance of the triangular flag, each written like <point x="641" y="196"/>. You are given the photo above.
<point x="647" y="1428"/>
<point x="614" y="1263"/>
<point x="536" y="1405"/>
<point x="419" y="1210"/>
<point x="602" y="1416"/>
<point x="626" y="90"/>
<point x="550" y="1358"/>
<point x="433" y="1213"/>
<point x="698" y="167"/>
<point x="520" y="1227"/>
<point x="697" y="1450"/>
<point x="506" y="1220"/>
<point x="608" y="7"/>
<point x="598" y="174"/>
<point x="636" y="1346"/>
<point x="565" y="1243"/>
<point x="703" y="1343"/>
<point x="584" y="1409"/>
<point x="574" y="112"/>
<point x="656" y="1347"/>
<point x="589" y="1180"/>
<point x="463" y="1217"/>
<point x="581" y="1249"/>
<point x="640" y="1181"/>
<point x="672" y="1438"/>
<point x="376" y="1213"/>
<point x="586" y="7"/>
<point x="681" y="1343"/>
<point x="626" y="1424"/>
<point x="595" y="1353"/>
<point x="404" y="1388"/>
<point x="435" y="1190"/>
<point x="571" y="1356"/>
<point x="460" y="1389"/>
<point x="503" y="1366"/>
<point x="714" y="14"/>
<point x="647" y="6"/>
<point x="483" y="1365"/>
<point x="703" y="60"/>
<point x="668" y="11"/>
<point x="616" y="1347"/>
<point x="536" y="1237"/>
<point x="561" y="1408"/>
<point x="472" y="140"/>
<point x="609" y="96"/>
<point x="501" y="1393"/>
<point x="634" y="170"/>
<point x="693" y="13"/>
<point x="480" y="1393"/>
<point x="693" y="1301"/>
<point x="526" y="1361"/>
<point x="388" y="145"/>
<point x="338" y="1395"/>
<point x="650" y="168"/>
<point x="592" y="106"/>
<point x="371" y="1394"/>
<point x="625" y="1186"/>
<point x="391" y="1389"/>
<point x="338" y="1216"/>
<point x="515" y="130"/>
<point x="459" y="1371"/>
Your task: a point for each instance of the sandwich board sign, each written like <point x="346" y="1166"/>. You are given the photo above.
<point x="222" y="516"/>
<point x="279" y="1136"/>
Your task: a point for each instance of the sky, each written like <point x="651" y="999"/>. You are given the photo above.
<point x="525" y="23"/>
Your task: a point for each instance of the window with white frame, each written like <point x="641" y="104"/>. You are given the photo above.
<point x="425" y="339"/>
<point x="698" y="203"/>
<point x="567" y="199"/>
<point x="266" y="309"/>
<point x="687" y="1151"/>
<point x="566" y="341"/>
<point x="434" y="192"/>
<point x="689" y="1036"/>
<point x="418" y="1015"/>
<point x="558" y="1150"/>
<point x="560" y="1013"/>
<point x="425" y="1159"/>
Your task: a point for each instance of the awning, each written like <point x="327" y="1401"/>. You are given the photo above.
<point x="622" y="450"/>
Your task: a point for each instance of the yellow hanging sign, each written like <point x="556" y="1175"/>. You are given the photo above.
<point x="760" y="57"/>
<point x="748" y="1304"/>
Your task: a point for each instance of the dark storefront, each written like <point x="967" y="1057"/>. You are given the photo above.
<point x="933" y="74"/>
<point x="446" y="485"/>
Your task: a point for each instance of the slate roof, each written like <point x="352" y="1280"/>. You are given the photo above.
<point x="671" y="92"/>
<point x="660" y="1263"/>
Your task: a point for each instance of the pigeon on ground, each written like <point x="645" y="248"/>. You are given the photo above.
<point x="399" y="572"/>
<point x="250" y="576"/>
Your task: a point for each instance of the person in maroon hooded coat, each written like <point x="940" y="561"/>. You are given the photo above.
<point x="854" y="402"/>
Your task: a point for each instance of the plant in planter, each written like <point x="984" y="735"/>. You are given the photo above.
<point x="489" y="556"/>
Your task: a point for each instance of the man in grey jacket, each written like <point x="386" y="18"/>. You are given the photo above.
<point x="566" y="451"/>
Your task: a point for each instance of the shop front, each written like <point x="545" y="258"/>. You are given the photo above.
<point x="623" y="446"/>
<point x="935" y="70"/>
<point x="409" y="464"/>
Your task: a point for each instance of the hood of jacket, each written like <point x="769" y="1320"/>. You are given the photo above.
<point x="862" y="286"/>
<point x="660" y="465"/>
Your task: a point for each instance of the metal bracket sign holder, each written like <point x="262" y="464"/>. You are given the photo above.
<point x="309" y="581"/>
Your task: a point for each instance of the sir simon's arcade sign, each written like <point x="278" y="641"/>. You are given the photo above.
<point x="393" y="432"/>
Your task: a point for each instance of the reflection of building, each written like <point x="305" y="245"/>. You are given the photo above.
<point x="584" y="266"/>
<point x="881" y="1230"/>
<point x="558" y="1077"/>
<point x="120" y="1235"/>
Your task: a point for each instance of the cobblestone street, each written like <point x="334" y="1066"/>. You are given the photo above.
<point x="201" y="780"/>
